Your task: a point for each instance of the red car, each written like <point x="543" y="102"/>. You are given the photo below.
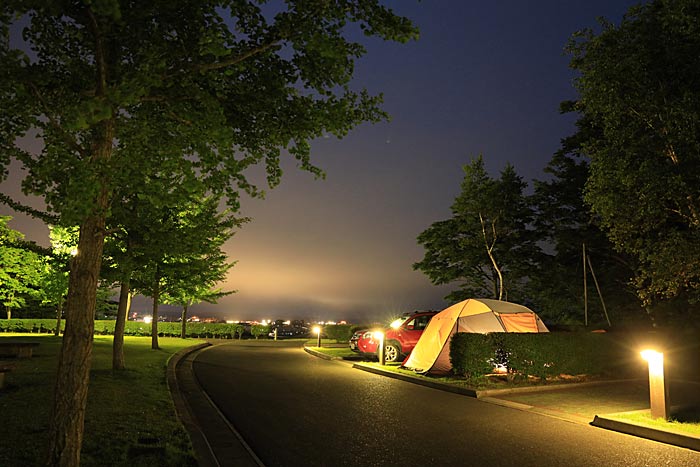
<point x="399" y="339"/>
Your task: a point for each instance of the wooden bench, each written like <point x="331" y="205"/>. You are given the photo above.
<point x="17" y="349"/>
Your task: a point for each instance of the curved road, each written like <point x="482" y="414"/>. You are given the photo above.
<point x="294" y="409"/>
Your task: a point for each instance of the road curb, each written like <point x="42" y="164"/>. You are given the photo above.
<point x="212" y="435"/>
<point x="184" y="413"/>
<point x="318" y="354"/>
<point x="412" y="379"/>
<point x="654" y="434"/>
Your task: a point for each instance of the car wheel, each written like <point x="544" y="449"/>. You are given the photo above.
<point x="392" y="352"/>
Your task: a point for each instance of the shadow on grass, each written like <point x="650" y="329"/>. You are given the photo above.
<point x="687" y="414"/>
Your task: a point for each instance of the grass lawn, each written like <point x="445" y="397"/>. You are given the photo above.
<point x="686" y="421"/>
<point x="126" y="410"/>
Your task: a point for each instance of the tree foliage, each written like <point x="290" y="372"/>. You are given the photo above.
<point x="20" y="269"/>
<point x="118" y="89"/>
<point x="638" y="86"/>
<point x="486" y="246"/>
<point x="565" y="224"/>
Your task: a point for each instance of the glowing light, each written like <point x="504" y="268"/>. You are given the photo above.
<point x="396" y="323"/>
<point x="658" y="391"/>
<point x="379" y="335"/>
<point x="317" y="331"/>
<point x="656" y="362"/>
<point x="147" y="319"/>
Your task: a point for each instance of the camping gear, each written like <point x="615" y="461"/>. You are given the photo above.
<point x="432" y="352"/>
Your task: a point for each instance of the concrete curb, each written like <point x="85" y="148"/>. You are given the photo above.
<point x="415" y="380"/>
<point x="199" y="442"/>
<point x="318" y="354"/>
<point x="549" y="387"/>
<point x="654" y="434"/>
<point x="214" y="439"/>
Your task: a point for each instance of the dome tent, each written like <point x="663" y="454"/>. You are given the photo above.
<point x="432" y="352"/>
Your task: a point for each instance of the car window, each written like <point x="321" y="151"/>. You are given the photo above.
<point x="421" y="322"/>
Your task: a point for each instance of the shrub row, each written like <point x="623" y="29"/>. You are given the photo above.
<point x="339" y="332"/>
<point x="544" y="355"/>
<point x="137" y="328"/>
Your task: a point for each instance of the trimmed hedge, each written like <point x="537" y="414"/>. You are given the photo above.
<point x="339" y="332"/>
<point x="132" y="328"/>
<point x="543" y="355"/>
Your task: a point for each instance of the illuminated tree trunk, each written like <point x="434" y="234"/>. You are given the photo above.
<point x="70" y="394"/>
<point x="120" y="324"/>
<point x="156" y="298"/>
<point x="183" y="327"/>
<point x="489" y="251"/>
<point x="59" y="312"/>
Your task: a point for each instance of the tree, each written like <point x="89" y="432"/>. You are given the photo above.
<point x="179" y="242"/>
<point x="204" y="88"/>
<point x="638" y="85"/>
<point x="564" y="223"/>
<point x="162" y="225"/>
<point x="487" y="245"/>
<point x="54" y="277"/>
<point x="194" y="280"/>
<point x="258" y="330"/>
<point x="20" y="269"/>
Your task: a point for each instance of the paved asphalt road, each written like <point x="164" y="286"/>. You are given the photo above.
<point x="294" y="409"/>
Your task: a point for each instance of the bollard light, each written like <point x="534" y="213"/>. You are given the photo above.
<point x="317" y="331"/>
<point x="658" y="391"/>
<point x="381" y="354"/>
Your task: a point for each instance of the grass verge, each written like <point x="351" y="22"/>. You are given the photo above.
<point x="130" y="418"/>
<point x="686" y="421"/>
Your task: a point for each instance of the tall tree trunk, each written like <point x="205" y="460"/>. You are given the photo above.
<point x="70" y="394"/>
<point x="156" y="298"/>
<point x="120" y="324"/>
<point x="9" y="312"/>
<point x="59" y="312"/>
<point x="183" y="319"/>
<point x="489" y="251"/>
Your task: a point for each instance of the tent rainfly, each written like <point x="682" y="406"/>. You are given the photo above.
<point x="432" y="352"/>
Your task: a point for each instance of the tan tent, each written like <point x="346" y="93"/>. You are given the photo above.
<point x="432" y="352"/>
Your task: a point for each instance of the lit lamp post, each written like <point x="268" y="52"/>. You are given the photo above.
<point x="379" y="337"/>
<point x="658" y="392"/>
<point x="317" y="331"/>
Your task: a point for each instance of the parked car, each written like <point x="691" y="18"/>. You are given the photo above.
<point x="399" y="339"/>
<point x="356" y="337"/>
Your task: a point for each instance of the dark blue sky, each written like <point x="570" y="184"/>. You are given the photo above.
<point x="484" y="78"/>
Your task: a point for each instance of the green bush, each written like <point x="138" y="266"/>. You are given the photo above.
<point x="258" y="330"/>
<point x="339" y="332"/>
<point x="543" y="355"/>
<point x="472" y="354"/>
<point x="131" y="328"/>
<point x="29" y="325"/>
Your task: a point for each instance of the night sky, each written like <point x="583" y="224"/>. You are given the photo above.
<point x="484" y="78"/>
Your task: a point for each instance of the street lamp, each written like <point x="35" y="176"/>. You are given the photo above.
<point x="379" y="337"/>
<point x="317" y="331"/>
<point x="658" y="391"/>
